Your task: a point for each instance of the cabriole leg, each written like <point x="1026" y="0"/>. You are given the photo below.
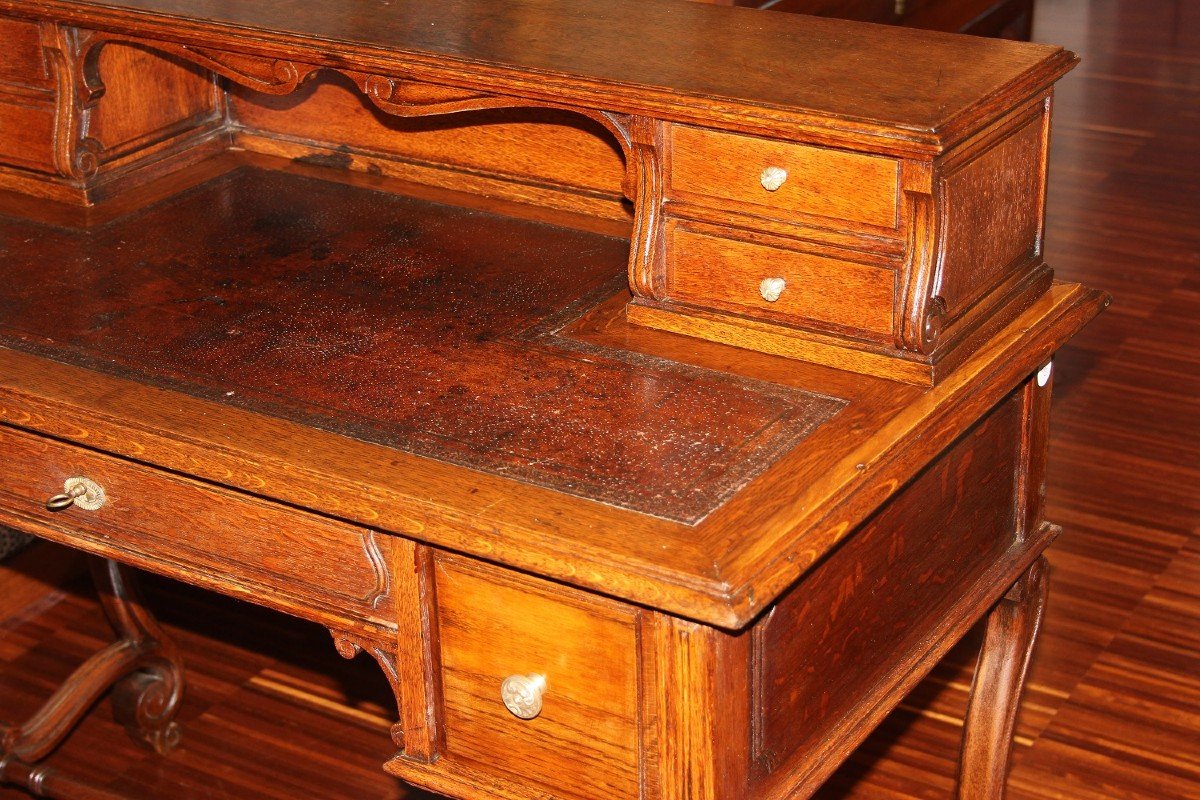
<point x="1012" y="629"/>
<point x="143" y="669"/>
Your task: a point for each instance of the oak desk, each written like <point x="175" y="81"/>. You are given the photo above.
<point x="666" y="484"/>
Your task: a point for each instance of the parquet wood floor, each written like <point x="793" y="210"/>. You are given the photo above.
<point x="1113" y="709"/>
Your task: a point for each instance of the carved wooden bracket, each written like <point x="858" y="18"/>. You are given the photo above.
<point x="924" y="311"/>
<point x="72" y="54"/>
<point x="349" y="645"/>
<point x="645" y="176"/>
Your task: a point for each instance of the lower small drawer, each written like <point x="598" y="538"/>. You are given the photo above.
<point x="574" y="656"/>
<point x="296" y="562"/>
<point x="27" y="136"/>
<point x="810" y="290"/>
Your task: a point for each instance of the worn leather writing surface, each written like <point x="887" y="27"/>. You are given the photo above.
<point x="424" y="327"/>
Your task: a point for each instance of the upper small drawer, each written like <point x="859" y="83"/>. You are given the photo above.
<point x="783" y="177"/>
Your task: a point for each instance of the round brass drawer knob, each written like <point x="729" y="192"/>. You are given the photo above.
<point x="522" y="695"/>
<point x="78" y="491"/>
<point x="772" y="178"/>
<point x="771" y="288"/>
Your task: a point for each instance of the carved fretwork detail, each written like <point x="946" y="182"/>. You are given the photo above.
<point x="383" y="577"/>
<point x="267" y="75"/>
<point x="924" y="311"/>
<point x="405" y="98"/>
<point x="349" y="645"/>
<point x="644" y="158"/>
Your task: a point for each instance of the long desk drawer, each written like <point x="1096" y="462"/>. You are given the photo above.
<point x="296" y="562"/>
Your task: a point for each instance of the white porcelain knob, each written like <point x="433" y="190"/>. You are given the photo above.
<point x="1043" y="375"/>
<point x="771" y="288"/>
<point x="772" y="178"/>
<point x="522" y="695"/>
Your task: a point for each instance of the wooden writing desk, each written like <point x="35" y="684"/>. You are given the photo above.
<point x="453" y="418"/>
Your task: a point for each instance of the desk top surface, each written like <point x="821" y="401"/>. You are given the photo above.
<point x="674" y="59"/>
<point x="419" y="326"/>
<point x="464" y="377"/>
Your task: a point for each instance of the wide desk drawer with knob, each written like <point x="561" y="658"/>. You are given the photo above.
<point x="197" y="532"/>
<point x="781" y="180"/>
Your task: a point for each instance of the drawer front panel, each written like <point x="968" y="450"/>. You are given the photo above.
<point x="27" y="136"/>
<point x="287" y="559"/>
<point x="492" y="626"/>
<point x="727" y="274"/>
<point x="820" y="182"/>
<point x="22" y="61"/>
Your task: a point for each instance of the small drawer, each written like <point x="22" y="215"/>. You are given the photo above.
<point x="23" y="62"/>
<point x="583" y="741"/>
<point x="27" y="135"/>
<point x="778" y="284"/>
<point x="295" y="562"/>
<point x="781" y="178"/>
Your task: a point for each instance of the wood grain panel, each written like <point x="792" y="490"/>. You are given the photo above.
<point x="992" y="216"/>
<point x="329" y="122"/>
<point x="290" y="561"/>
<point x="703" y="164"/>
<point x="494" y="625"/>
<point x="148" y="96"/>
<point x="26" y="136"/>
<point x="22" y="62"/>
<point x="884" y="592"/>
<point x="726" y="274"/>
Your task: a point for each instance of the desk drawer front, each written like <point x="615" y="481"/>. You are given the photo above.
<point x="716" y="272"/>
<point x="22" y="60"/>
<point x="26" y="135"/>
<point x="711" y="167"/>
<point x="583" y="743"/>
<point x="230" y="542"/>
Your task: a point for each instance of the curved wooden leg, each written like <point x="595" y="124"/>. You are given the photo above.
<point x="142" y="667"/>
<point x="146" y="700"/>
<point x="1012" y="630"/>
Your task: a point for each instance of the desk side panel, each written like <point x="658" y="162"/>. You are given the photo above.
<point x="855" y="628"/>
